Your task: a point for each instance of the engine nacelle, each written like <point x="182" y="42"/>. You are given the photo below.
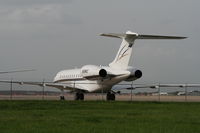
<point x="92" y="71"/>
<point x="135" y="74"/>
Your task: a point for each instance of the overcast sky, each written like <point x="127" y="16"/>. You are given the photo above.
<point x="52" y="35"/>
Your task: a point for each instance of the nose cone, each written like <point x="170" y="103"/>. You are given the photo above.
<point x="55" y="78"/>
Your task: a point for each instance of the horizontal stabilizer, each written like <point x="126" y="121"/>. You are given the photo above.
<point x="134" y="36"/>
<point x="159" y="37"/>
<point x="113" y="35"/>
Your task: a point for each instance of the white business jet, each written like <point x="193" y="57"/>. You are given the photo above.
<point x="92" y="78"/>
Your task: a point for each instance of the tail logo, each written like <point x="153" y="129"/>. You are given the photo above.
<point x="123" y="52"/>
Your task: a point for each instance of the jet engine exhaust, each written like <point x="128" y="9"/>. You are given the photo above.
<point x="138" y="74"/>
<point x="103" y="73"/>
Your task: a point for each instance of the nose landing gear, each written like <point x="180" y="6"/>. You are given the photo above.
<point x="110" y="96"/>
<point x="62" y="97"/>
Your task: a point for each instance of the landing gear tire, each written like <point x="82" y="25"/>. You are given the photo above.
<point x="79" y="96"/>
<point x="62" y="98"/>
<point x="110" y="96"/>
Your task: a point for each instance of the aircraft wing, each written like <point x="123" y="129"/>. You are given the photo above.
<point x="142" y="86"/>
<point x="64" y="86"/>
<point x="16" y="71"/>
<point x="76" y="86"/>
<point x="179" y="85"/>
<point x="156" y="86"/>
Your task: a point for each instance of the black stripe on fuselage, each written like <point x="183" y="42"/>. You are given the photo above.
<point x="62" y="80"/>
<point x="78" y="79"/>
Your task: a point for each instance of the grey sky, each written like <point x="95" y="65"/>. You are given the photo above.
<point x="51" y="35"/>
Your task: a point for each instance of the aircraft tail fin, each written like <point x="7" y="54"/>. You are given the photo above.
<point x="122" y="58"/>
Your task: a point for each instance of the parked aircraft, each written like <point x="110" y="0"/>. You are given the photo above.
<point x="16" y="71"/>
<point x="92" y="78"/>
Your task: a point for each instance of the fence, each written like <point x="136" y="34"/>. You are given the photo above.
<point x="25" y="92"/>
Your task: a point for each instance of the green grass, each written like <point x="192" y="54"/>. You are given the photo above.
<point x="98" y="117"/>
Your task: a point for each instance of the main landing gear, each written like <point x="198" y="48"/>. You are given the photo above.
<point x="79" y="96"/>
<point x="110" y="96"/>
<point x="62" y="97"/>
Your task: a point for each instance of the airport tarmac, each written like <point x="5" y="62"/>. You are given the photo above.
<point x="94" y="97"/>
